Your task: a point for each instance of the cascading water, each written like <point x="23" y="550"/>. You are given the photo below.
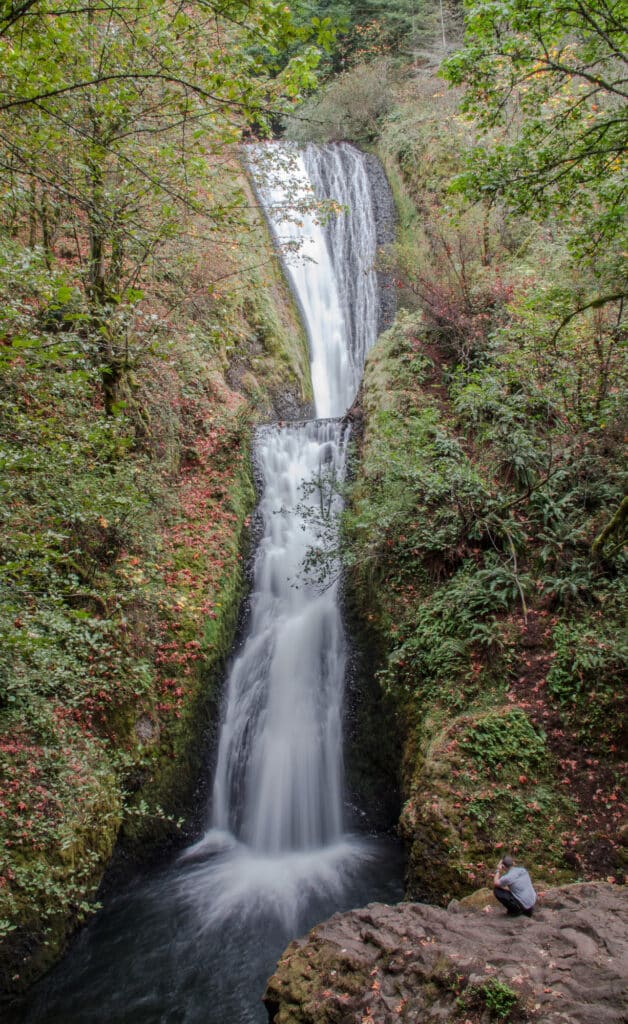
<point x="278" y="780"/>
<point x="196" y="944"/>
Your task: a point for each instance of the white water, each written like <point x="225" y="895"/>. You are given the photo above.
<point x="339" y="171"/>
<point x="278" y="777"/>
<point x="331" y="268"/>
<point x="278" y="788"/>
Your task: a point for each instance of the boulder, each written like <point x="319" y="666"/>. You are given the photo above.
<point x="416" y="962"/>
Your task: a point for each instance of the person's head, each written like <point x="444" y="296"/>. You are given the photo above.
<point x="508" y="861"/>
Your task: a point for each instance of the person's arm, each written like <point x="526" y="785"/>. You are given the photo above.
<point x="500" y="868"/>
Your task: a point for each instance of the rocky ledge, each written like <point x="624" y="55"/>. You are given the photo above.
<point x="470" y="963"/>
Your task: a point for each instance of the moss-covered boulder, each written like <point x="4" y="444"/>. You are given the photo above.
<point x="485" y="784"/>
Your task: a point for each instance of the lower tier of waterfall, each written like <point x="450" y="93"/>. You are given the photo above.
<point x="278" y="779"/>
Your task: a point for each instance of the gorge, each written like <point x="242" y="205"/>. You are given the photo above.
<point x="227" y="678"/>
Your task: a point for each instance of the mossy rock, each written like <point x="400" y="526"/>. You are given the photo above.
<point x="466" y="806"/>
<point x="478" y="900"/>
<point x="304" y="978"/>
<point x="434" y="873"/>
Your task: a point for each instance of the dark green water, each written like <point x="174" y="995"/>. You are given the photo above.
<point x="196" y="943"/>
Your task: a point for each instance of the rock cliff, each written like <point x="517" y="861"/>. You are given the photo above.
<point x="470" y="963"/>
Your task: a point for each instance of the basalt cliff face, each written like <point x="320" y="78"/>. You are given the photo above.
<point x="470" y="963"/>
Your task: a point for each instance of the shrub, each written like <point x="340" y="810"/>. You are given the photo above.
<point x="349" y="108"/>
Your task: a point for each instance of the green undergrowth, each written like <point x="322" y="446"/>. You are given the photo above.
<point x="587" y="677"/>
<point x="477" y="526"/>
<point x="120" y="583"/>
<point x="122" y="542"/>
<point x="446" y="575"/>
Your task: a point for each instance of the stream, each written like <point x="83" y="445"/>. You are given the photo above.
<point x="194" y="942"/>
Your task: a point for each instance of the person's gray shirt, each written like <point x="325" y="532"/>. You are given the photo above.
<point x="520" y="885"/>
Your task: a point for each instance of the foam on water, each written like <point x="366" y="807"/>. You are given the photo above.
<point x="231" y="879"/>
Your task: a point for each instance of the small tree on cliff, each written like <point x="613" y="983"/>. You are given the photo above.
<point x="546" y="83"/>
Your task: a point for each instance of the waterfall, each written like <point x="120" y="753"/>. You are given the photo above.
<point x="278" y="783"/>
<point x="340" y="172"/>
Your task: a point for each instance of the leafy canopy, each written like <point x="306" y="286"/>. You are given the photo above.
<point x="554" y="74"/>
<point x="116" y="123"/>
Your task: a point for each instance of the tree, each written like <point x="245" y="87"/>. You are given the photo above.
<point x="115" y="117"/>
<point x="547" y="83"/>
<point x="424" y="30"/>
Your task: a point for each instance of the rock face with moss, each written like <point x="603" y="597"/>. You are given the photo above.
<point x="484" y="474"/>
<point x="477" y="770"/>
<point x="413" y="962"/>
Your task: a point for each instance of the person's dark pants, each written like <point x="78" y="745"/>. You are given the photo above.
<point x="511" y="904"/>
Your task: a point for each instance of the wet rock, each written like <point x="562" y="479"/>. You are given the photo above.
<point x="385" y="218"/>
<point x="415" y="962"/>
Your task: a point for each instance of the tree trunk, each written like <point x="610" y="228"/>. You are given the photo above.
<point x="615" y="528"/>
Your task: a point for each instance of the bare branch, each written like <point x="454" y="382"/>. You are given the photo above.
<point x="597" y="303"/>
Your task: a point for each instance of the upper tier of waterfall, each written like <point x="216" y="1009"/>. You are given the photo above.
<point x="329" y="258"/>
